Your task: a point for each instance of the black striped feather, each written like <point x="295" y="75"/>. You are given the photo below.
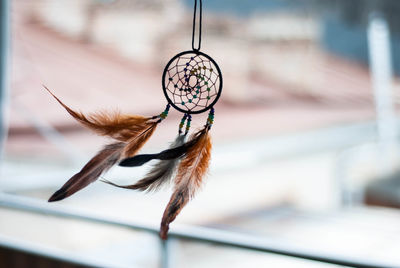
<point x="160" y="173"/>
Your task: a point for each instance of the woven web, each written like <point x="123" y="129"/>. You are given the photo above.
<point x="192" y="82"/>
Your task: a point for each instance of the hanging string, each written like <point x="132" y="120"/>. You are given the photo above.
<point x="194" y="23"/>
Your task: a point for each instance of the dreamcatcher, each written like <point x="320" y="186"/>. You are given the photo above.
<point x="192" y="84"/>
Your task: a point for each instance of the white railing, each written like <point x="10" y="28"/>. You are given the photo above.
<point x="196" y="234"/>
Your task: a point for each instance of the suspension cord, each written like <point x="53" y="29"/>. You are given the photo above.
<point x="194" y="23"/>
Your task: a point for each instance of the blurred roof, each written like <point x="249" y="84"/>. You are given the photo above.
<point x="92" y="76"/>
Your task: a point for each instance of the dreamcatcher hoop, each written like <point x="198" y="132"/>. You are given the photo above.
<point x="192" y="82"/>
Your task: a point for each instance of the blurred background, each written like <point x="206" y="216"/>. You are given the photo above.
<point x="305" y="158"/>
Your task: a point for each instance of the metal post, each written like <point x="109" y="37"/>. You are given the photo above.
<point x="382" y="73"/>
<point x="4" y="69"/>
<point x="167" y="257"/>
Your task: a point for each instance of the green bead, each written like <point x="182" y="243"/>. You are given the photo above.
<point x="183" y="103"/>
<point x="195" y="96"/>
<point x="208" y="97"/>
<point x="190" y="101"/>
<point x="206" y="83"/>
<point x="208" y="89"/>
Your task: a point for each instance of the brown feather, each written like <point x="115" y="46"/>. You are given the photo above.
<point x="132" y="132"/>
<point x="137" y="142"/>
<point x="100" y="163"/>
<point x="103" y="161"/>
<point x="189" y="177"/>
<point x="116" y="125"/>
